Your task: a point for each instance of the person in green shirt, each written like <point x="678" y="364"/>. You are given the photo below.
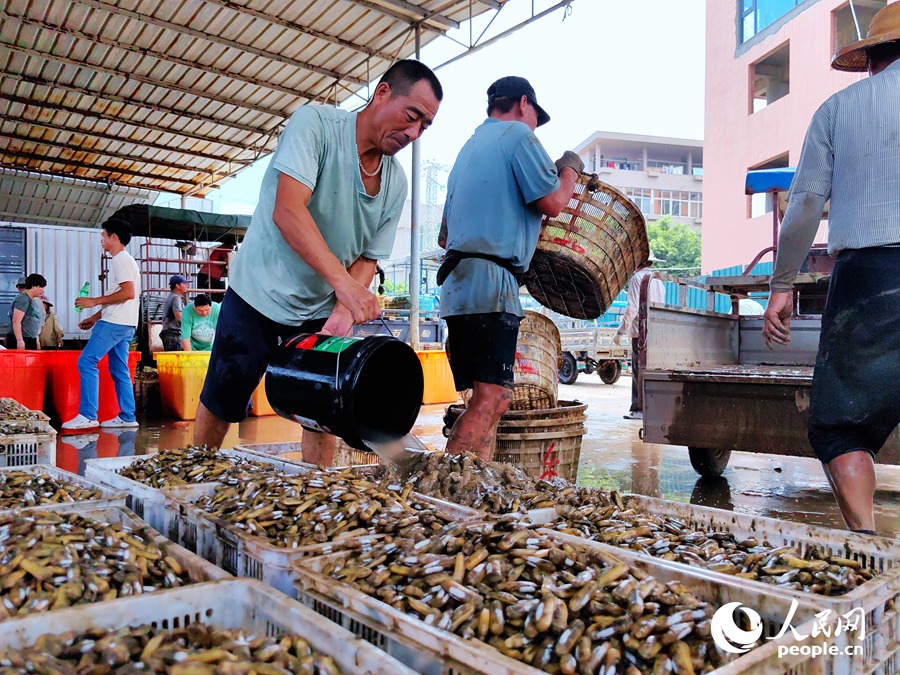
<point x="198" y="324"/>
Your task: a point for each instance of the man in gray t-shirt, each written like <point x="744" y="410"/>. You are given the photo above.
<point x="328" y="209"/>
<point x="172" y="309"/>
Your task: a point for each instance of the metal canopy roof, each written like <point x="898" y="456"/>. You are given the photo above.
<point x="130" y="97"/>
<point x="56" y="200"/>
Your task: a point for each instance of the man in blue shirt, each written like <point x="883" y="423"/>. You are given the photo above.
<point x="328" y="209"/>
<point x="502" y="185"/>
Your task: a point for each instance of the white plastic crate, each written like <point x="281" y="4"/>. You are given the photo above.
<point x="41" y="424"/>
<point x="108" y="496"/>
<point x="197" y="569"/>
<point x="431" y="651"/>
<point x="233" y="604"/>
<point x="291" y="451"/>
<point x="878" y="598"/>
<point x="149" y="502"/>
<point x="240" y="553"/>
<point x="194" y="568"/>
<point x="23" y="449"/>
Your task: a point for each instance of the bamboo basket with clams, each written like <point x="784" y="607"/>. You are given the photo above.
<point x="587" y="253"/>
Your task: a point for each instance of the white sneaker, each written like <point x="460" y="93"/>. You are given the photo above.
<point x="634" y="415"/>
<point x="79" y="422"/>
<point x="81" y="441"/>
<point x="118" y="423"/>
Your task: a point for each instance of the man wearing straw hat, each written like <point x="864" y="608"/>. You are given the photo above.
<point x="501" y="186"/>
<point x="852" y="156"/>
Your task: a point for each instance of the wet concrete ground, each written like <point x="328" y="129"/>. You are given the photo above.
<point x="612" y="457"/>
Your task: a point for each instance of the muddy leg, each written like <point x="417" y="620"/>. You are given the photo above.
<point x="476" y="429"/>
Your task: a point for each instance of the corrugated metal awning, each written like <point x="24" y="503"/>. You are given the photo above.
<point x="176" y="95"/>
<point x="27" y="197"/>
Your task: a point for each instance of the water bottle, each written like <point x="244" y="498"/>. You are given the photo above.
<point x="83" y="293"/>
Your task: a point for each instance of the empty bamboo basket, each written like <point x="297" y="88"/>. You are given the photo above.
<point x="536" y="371"/>
<point x="587" y="253"/>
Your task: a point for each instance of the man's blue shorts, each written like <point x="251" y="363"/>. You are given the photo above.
<point x="244" y="343"/>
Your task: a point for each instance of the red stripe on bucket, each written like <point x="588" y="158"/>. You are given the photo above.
<point x="307" y="343"/>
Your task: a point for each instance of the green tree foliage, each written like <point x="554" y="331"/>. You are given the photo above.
<point x="677" y="244"/>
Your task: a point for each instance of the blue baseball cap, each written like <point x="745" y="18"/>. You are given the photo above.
<point x="177" y="279"/>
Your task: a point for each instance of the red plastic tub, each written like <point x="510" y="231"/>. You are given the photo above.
<point x="64" y="385"/>
<point x="23" y="376"/>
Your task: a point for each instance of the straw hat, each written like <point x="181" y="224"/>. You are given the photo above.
<point x="885" y="27"/>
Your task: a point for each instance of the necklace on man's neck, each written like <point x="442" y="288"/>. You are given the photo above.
<point x="375" y="172"/>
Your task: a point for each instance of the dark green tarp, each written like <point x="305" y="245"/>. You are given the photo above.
<point x="182" y="224"/>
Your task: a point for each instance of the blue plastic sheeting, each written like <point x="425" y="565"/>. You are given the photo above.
<point x="737" y="270"/>
<point x="769" y="180"/>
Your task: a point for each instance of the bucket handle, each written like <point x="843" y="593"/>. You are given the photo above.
<point x="337" y="366"/>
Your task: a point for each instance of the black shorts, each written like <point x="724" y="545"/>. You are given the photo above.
<point x="482" y="348"/>
<point x="244" y="344"/>
<point x="30" y="342"/>
<point x="855" y="400"/>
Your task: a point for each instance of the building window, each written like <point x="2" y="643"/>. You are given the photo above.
<point x="657" y="203"/>
<point x="763" y="203"/>
<point x="759" y="14"/>
<point x="642" y="198"/>
<point x="770" y="78"/>
<point x="844" y="28"/>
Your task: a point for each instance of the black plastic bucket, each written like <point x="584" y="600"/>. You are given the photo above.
<point x="359" y="389"/>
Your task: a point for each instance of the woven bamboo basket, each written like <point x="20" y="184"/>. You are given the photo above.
<point x="538" y="441"/>
<point x="587" y="253"/>
<point x="536" y="371"/>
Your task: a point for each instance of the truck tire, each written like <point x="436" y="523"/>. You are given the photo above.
<point x="568" y="369"/>
<point x="709" y="463"/>
<point x="610" y="371"/>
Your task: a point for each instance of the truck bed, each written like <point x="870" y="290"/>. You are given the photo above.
<point x="736" y="374"/>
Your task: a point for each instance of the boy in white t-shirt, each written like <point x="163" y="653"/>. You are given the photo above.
<point x="113" y="327"/>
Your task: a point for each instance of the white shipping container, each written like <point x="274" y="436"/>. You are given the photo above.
<point x="69" y="256"/>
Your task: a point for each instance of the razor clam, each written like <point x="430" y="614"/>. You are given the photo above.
<point x="195" y="649"/>
<point x="181" y="466"/>
<point x="535" y="599"/>
<point x="603" y="517"/>
<point x="319" y="507"/>
<point x="34" y="488"/>
<point x="50" y="561"/>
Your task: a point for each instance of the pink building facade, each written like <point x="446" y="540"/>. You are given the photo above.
<point x="767" y="71"/>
